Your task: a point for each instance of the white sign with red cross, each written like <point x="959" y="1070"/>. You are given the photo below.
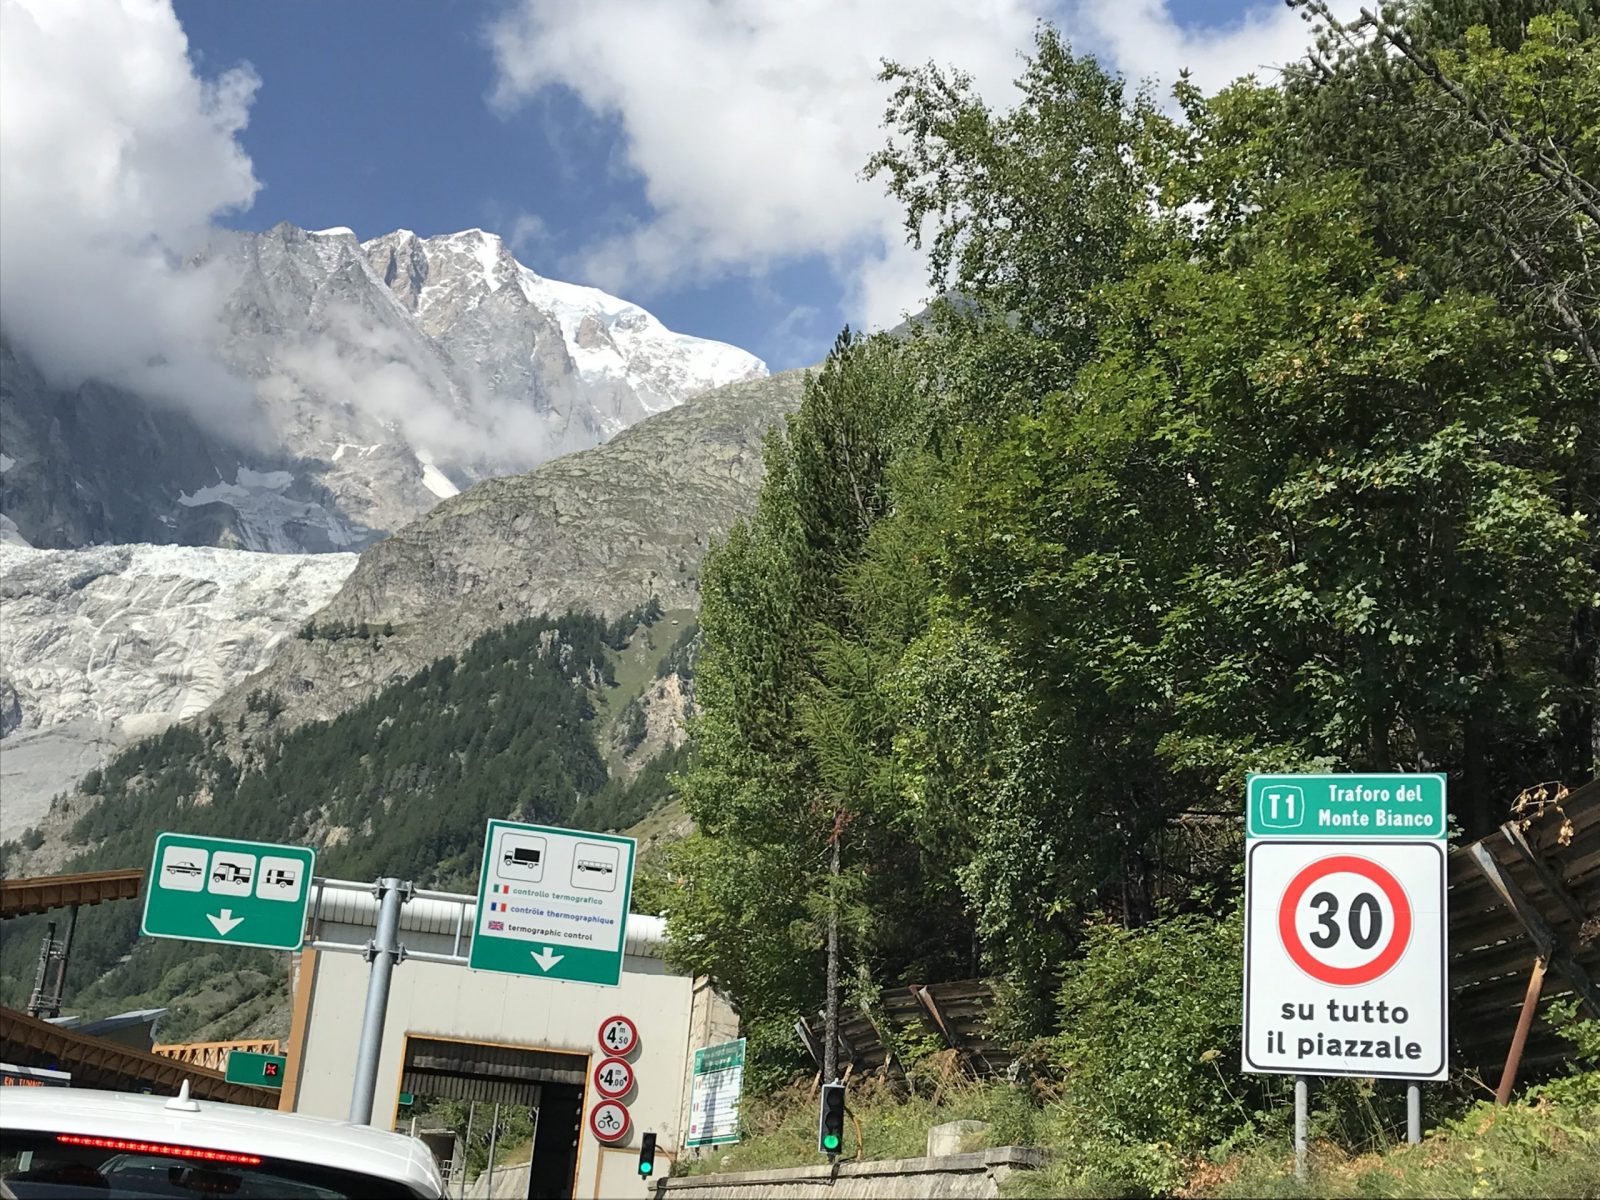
<point x="1345" y="958"/>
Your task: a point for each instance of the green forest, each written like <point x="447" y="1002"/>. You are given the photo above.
<point x="1260" y="432"/>
<point x="404" y="784"/>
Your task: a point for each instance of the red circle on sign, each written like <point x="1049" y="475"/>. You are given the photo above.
<point x="599" y="1078"/>
<point x="609" y="1121"/>
<point x="611" y="1047"/>
<point x="1309" y="962"/>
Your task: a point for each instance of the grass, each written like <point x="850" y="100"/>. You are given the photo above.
<point x="781" y="1130"/>
<point x="635" y="665"/>
<point x="1547" y="1145"/>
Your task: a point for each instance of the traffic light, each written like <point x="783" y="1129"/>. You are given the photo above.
<point x="647" y="1156"/>
<point x="830" y="1121"/>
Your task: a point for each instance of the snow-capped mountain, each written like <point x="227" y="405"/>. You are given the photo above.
<point x="374" y="379"/>
<point x="108" y="643"/>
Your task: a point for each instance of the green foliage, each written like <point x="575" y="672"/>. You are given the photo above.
<point x="1264" y="439"/>
<point x="512" y="1134"/>
<point x="1149" y="1047"/>
<point x="1546" y="1147"/>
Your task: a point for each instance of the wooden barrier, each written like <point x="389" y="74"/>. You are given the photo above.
<point x="1527" y="893"/>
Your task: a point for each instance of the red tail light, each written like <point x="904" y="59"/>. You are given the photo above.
<point x="216" y="1156"/>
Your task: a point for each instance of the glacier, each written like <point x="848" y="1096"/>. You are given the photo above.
<point x="106" y="644"/>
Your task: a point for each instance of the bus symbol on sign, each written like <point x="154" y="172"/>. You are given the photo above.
<point x="1283" y="806"/>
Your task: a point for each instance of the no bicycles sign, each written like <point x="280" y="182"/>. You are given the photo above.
<point x="1345" y="956"/>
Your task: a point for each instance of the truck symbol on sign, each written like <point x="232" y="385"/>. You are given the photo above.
<point x="522" y="856"/>
<point x="228" y="872"/>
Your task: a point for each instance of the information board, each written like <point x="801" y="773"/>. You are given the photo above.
<point x="553" y="903"/>
<point x="714" y="1100"/>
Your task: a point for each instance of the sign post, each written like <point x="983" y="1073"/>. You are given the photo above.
<point x="1345" y="927"/>
<point x="234" y="893"/>
<point x="553" y="903"/>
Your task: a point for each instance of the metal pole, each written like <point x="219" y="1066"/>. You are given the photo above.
<point x="1530" y="1005"/>
<point x="494" y="1132"/>
<point x="1414" y="1113"/>
<point x="382" y="952"/>
<point x="1300" y="1121"/>
<point x="466" y="1148"/>
<point x="61" y="968"/>
<point x="41" y="977"/>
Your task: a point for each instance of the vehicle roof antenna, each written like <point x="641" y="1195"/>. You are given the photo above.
<point x="181" y="1102"/>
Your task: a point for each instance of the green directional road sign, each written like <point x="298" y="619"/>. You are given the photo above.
<point x="257" y="1070"/>
<point x="553" y="903"/>
<point x="205" y="889"/>
<point x="1346" y="806"/>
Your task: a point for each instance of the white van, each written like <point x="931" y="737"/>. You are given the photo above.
<point x="60" y="1142"/>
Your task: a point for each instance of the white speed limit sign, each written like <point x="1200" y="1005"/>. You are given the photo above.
<point x="1345" y="958"/>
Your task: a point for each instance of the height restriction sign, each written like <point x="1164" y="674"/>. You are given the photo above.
<point x="1345" y="951"/>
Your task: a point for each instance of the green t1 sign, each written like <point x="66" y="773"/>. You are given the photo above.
<point x="1346" y="806"/>
<point x="204" y="889"/>
<point x="257" y="1070"/>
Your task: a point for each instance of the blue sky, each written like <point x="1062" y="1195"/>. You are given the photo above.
<point x="519" y="117"/>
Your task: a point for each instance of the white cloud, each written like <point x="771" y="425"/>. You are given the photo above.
<point x="1144" y="40"/>
<point x="529" y="233"/>
<point x="749" y="121"/>
<point x="114" y="158"/>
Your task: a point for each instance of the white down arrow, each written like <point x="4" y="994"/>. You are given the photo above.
<point x="547" y="958"/>
<point x="224" y="921"/>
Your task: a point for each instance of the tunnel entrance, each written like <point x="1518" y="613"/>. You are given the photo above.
<point x="490" y="1095"/>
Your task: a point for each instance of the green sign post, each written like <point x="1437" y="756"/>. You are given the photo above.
<point x="1346" y="806"/>
<point x="553" y="903"/>
<point x="257" y="1070"/>
<point x="204" y="889"/>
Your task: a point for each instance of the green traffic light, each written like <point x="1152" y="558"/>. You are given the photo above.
<point x="645" y="1168"/>
<point x="831" y="1141"/>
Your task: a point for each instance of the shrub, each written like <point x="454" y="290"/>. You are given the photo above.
<point x="1150" y="1041"/>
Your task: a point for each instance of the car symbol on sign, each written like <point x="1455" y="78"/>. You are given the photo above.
<point x="183" y="868"/>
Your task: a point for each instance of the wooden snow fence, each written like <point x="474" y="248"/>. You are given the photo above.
<point x="1524" y="907"/>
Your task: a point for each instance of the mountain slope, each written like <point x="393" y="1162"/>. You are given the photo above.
<point x="372" y="380"/>
<point x="600" y="532"/>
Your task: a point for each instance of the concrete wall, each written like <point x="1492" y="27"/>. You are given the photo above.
<point x="952" y="1177"/>
<point x="449" y="1001"/>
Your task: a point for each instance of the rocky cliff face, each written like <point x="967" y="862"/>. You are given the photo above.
<point x="377" y="379"/>
<point x="101" y="645"/>
<point x="600" y="531"/>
